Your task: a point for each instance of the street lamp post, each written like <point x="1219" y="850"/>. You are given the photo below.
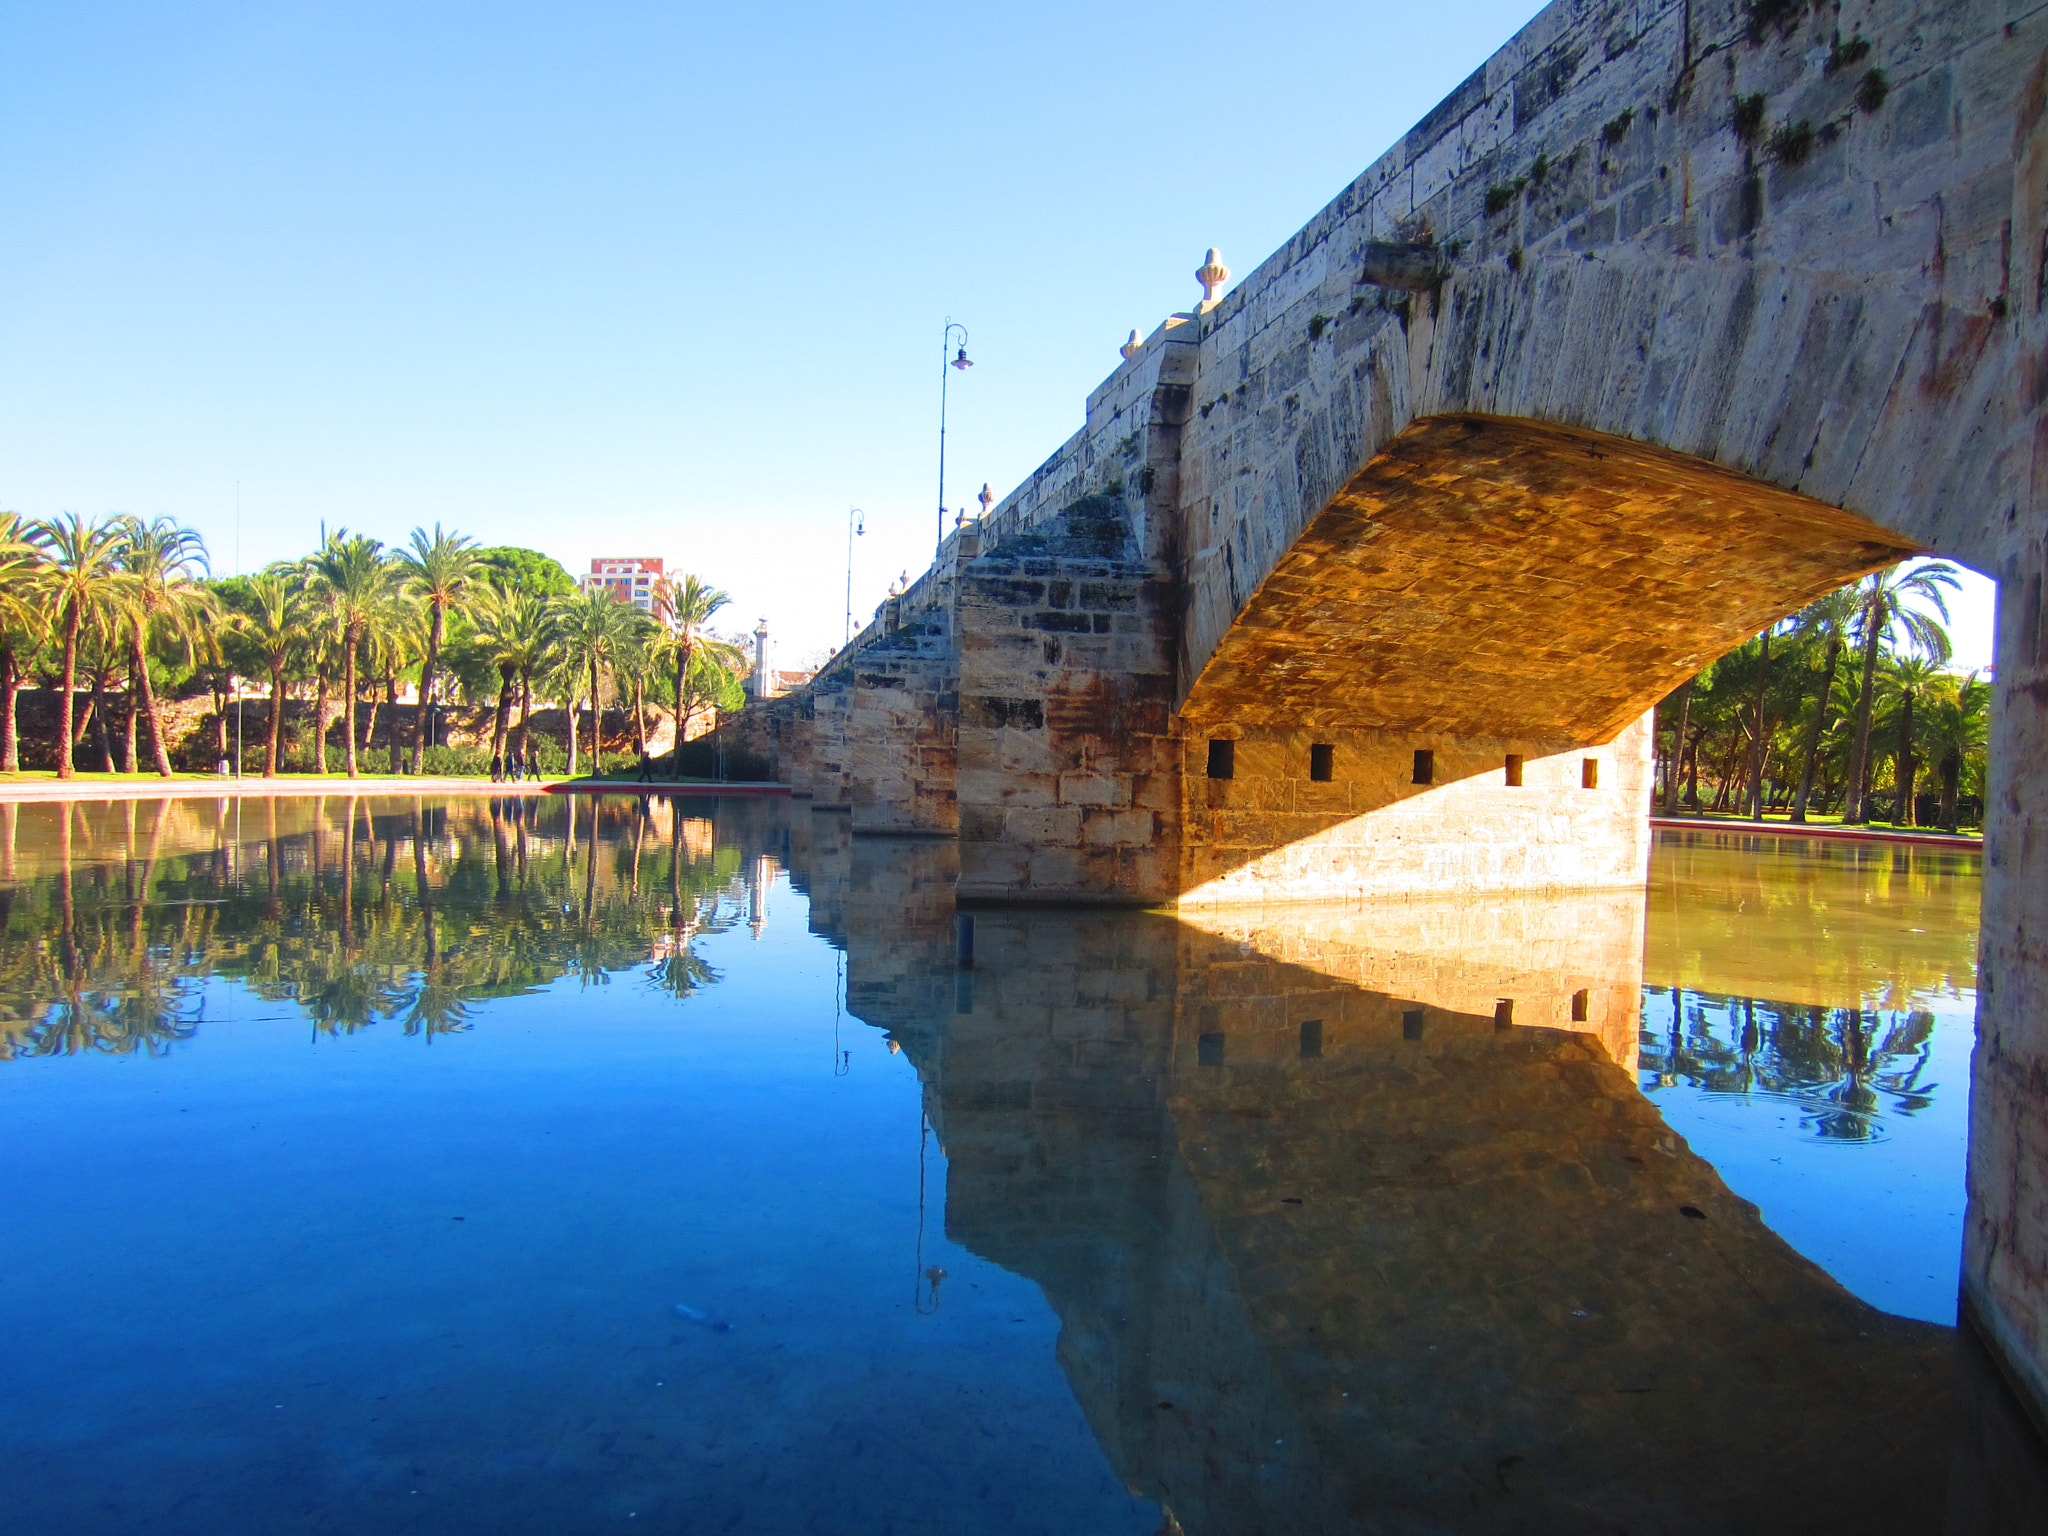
<point x="856" y="523"/>
<point x="962" y="362"/>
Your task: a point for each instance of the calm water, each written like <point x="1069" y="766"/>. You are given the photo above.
<point x="381" y="1165"/>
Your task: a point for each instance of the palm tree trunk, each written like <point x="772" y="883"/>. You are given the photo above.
<point x="1815" y="731"/>
<point x="320" y="726"/>
<point x="639" y="714"/>
<point x="427" y="671"/>
<point x="218" y="684"/>
<point x="1724" y="790"/>
<point x="148" y="689"/>
<point x="1951" y="777"/>
<point x="349" y="642"/>
<point x="503" y="723"/>
<point x="133" y="708"/>
<point x="391" y="716"/>
<point x="569" y="710"/>
<point x="1756" y="743"/>
<point x="1678" y="747"/>
<point x="99" y="702"/>
<point x="1904" y="766"/>
<point x="1859" y="755"/>
<point x="525" y="714"/>
<point x="66" y="703"/>
<point x="276" y="718"/>
<point x="10" y="689"/>
<point x="596" y="721"/>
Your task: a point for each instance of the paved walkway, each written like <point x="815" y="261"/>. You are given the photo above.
<point x="1810" y="829"/>
<point x="209" y="787"/>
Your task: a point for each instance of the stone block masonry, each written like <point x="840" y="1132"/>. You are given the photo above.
<point x="902" y="735"/>
<point x="1067" y="758"/>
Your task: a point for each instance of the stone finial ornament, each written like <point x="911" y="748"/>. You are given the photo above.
<point x="1212" y="275"/>
<point x="987" y="498"/>
<point x="1133" y="347"/>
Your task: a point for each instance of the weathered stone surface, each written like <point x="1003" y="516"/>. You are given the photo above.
<point x="1067" y="757"/>
<point x="1271" y="833"/>
<point x="903" y="731"/>
<point x="1504" y="579"/>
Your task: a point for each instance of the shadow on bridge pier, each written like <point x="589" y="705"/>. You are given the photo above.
<point x="1355" y="1220"/>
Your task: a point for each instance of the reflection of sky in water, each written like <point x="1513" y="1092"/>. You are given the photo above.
<point x="1842" y="1113"/>
<point x="332" y="1238"/>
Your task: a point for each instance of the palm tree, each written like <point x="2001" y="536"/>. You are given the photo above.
<point x="277" y="627"/>
<point x="159" y="557"/>
<point x="1677" y="758"/>
<point x="593" y="628"/>
<point x="1958" y="721"/>
<point x="350" y="576"/>
<point x="687" y="606"/>
<point x="1827" y="618"/>
<point x="1757" y="741"/>
<point x="23" y="622"/>
<point x="86" y="582"/>
<point x="515" y="629"/>
<point x="715" y="668"/>
<point x="1905" y="683"/>
<point x="1884" y="615"/>
<point x="440" y="571"/>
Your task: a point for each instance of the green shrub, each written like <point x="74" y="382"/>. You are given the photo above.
<point x="459" y="762"/>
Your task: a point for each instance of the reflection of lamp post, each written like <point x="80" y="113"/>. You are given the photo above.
<point x="856" y="523"/>
<point x="961" y="361"/>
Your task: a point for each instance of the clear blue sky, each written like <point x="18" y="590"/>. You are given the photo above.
<point x="631" y="278"/>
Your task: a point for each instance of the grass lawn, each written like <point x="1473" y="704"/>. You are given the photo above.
<point x="1813" y="819"/>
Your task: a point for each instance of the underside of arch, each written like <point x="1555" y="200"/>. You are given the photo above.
<point x="1500" y="578"/>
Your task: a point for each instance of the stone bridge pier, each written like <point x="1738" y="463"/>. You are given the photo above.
<point x="1359" y="578"/>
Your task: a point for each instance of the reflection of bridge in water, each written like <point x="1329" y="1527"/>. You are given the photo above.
<point x="1354" y="1219"/>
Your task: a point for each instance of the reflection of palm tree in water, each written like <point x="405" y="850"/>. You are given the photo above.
<point x="83" y="966"/>
<point x="1846" y="1068"/>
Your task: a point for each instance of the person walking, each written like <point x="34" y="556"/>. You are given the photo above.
<point x="518" y="765"/>
<point x="646" y="765"/>
<point x="497" y="769"/>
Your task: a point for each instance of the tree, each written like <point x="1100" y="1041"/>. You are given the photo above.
<point x="1905" y="683"/>
<point x="1884" y="615"/>
<point x="86" y="583"/>
<point x="714" y="681"/>
<point x="1826" y="619"/>
<point x="440" y="572"/>
<point x="525" y="570"/>
<point x="1677" y="758"/>
<point x="593" y="629"/>
<point x="1758" y="722"/>
<point x="23" y="622"/>
<point x="350" y="577"/>
<point x="515" y="629"/>
<point x="1958" y="723"/>
<point x="164" y="600"/>
<point x="689" y="605"/>
<point x="275" y="623"/>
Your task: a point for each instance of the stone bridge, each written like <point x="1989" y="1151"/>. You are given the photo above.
<point x="1360" y="578"/>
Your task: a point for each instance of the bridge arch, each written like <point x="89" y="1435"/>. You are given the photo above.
<point x="1484" y="592"/>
